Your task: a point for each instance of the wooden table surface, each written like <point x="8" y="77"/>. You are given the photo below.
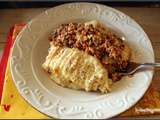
<point x="148" y="18"/>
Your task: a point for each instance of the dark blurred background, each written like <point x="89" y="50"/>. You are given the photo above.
<point x="51" y="3"/>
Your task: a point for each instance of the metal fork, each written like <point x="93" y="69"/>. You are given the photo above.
<point x="135" y="67"/>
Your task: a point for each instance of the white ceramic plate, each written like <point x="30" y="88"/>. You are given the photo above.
<point x="34" y="85"/>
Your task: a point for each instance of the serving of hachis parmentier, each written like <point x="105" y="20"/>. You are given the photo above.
<point x="86" y="56"/>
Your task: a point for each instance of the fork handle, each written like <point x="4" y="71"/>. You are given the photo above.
<point x="151" y="64"/>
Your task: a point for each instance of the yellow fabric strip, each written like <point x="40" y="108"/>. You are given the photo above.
<point x="13" y="105"/>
